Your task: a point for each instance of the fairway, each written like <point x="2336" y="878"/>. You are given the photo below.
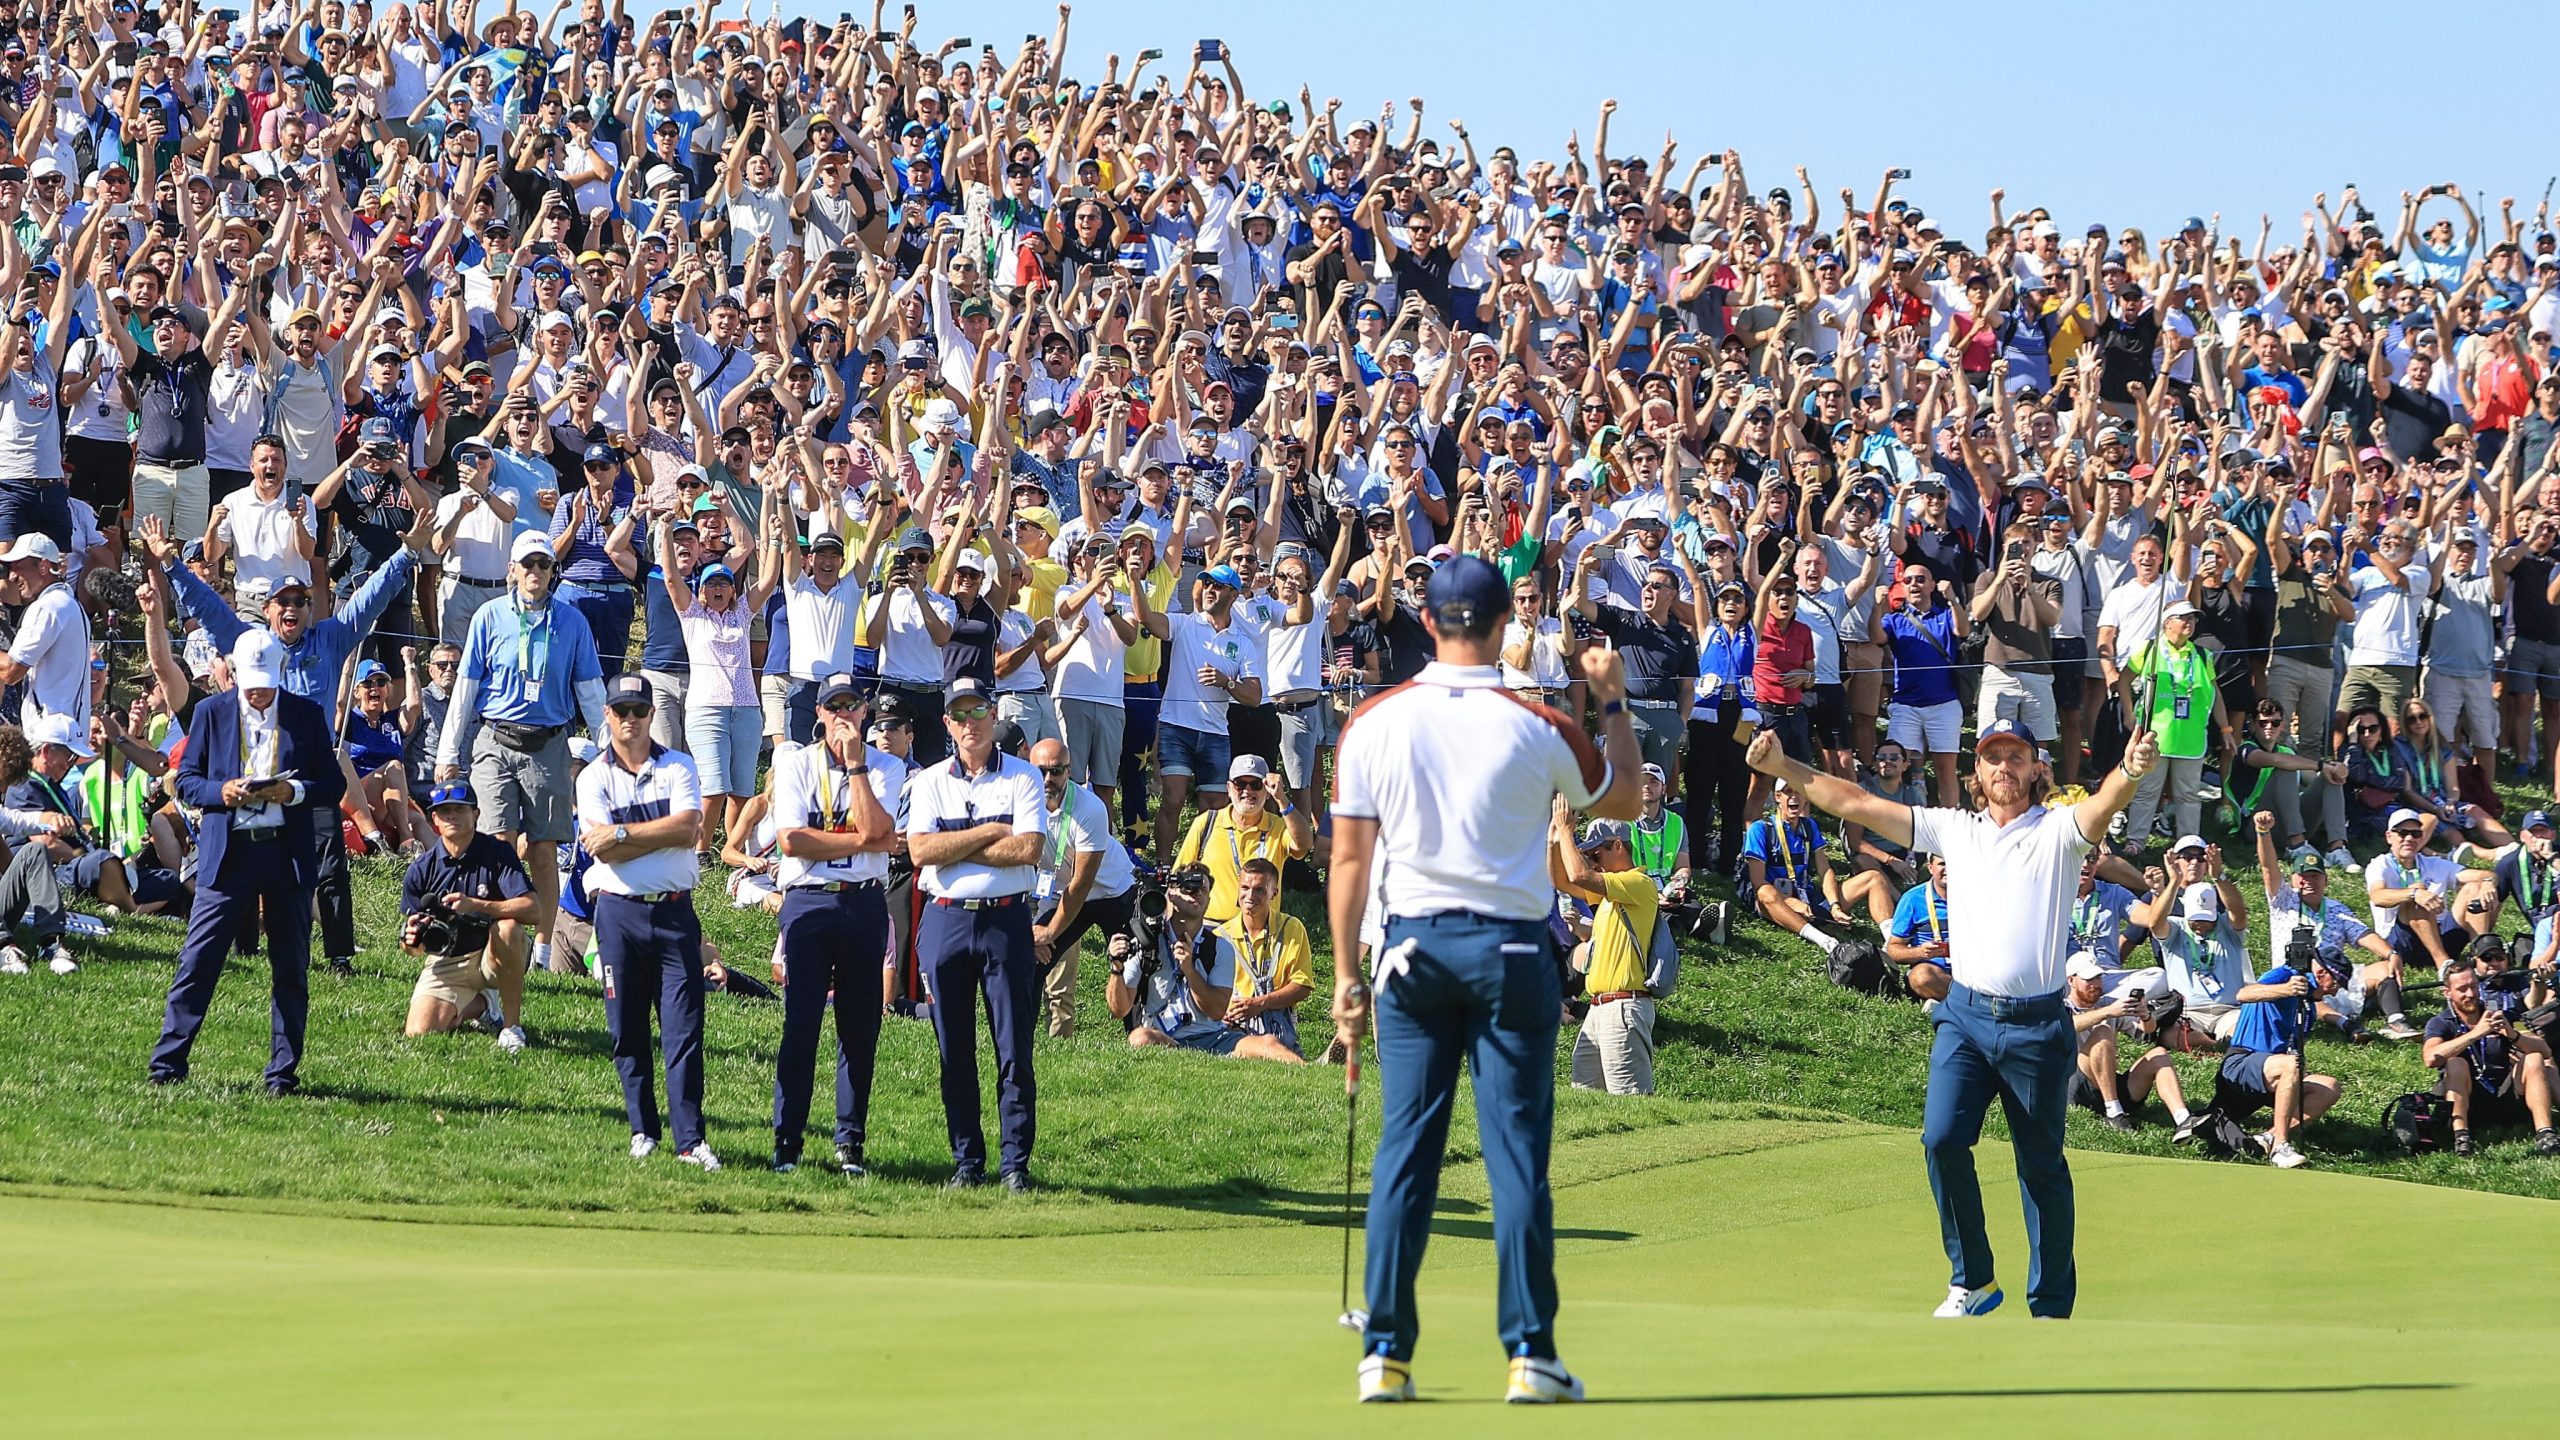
<point x="1743" y="1276"/>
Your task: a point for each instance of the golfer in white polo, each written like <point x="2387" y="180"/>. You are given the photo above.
<point x="2013" y="868"/>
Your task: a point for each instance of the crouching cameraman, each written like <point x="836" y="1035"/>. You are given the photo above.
<point x="466" y="900"/>
<point x="2099" y="1020"/>
<point x="2492" y="1074"/>
<point x="1172" y="979"/>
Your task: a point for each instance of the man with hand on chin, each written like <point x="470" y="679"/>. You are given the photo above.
<point x="2002" y="1029"/>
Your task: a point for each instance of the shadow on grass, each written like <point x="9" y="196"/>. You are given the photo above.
<point x="2017" y="1392"/>
<point x="1317" y="1208"/>
<point x="368" y="1095"/>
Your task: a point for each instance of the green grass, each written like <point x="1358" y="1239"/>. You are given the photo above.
<point x="1753" y="1249"/>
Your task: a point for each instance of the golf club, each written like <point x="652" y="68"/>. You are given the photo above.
<point x="1350" y="1319"/>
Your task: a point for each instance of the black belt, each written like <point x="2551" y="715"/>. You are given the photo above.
<point x="262" y="835"/>
<point x="475" y="580"/>
<point x="991" y="902"/>
<point x="837" y="887"/>
<point x="912" y="687"/>
<point x="1295" y="706"/>
<point x="1768" y="710"/>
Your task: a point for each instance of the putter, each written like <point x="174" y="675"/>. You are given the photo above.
<point x="1353" y="1320"/>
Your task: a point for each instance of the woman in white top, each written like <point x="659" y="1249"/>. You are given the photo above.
<point x="1295" y="645"/>
<point x="1090" y="664"/>
<point x="723" y="719"/>
<point x="1022" y="681"/>
<point x="33" y="497"/>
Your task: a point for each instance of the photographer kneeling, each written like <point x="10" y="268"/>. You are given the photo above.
<point x="2265" y="1064"/>
<point x="1172" y="979"/>
<point x="466" y="900"/>
<point x="2097" y="1019"/>
<point x="2491" y="1073"/>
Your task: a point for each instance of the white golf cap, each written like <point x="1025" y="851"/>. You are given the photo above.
<point x="257" y="659"/>
<point x="54" y="728"/>
<point x="2188" y="842"/>
<point x="2082" y="966"/>
<point x="2179" y="609"/>
<point x="2202" y="902"/>
<point x="2404" y="815"/>
<point x="32" y="546"/>
<point x="530" y="542"/>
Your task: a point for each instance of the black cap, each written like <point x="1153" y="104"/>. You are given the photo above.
<point x="838" y="686"/>
<point x="627" y="688"/>
<point x="1466" y="591"/>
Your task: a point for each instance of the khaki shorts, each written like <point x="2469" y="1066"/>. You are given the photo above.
<point x="454" y="979"/>
<point x="1862" y="675"/>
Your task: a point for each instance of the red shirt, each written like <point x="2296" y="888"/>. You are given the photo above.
<point x="1783" y="646"/>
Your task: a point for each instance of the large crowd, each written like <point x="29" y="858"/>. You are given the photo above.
<point x="956" y="499"/>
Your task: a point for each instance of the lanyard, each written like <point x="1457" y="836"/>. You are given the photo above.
<point x="2382" y="760"/>
<point x="1259" y="962"/>
<point x="61" y="804"/>
<point x="1787" y="851"/>
<point x="2525" y="867"/>
<point x="533" y="645"/>
<point x="2259" y="787"/>
<point x="835" y="802"/>
<point x="1059" y="839"/>
<point x="1933" y="907"/>
<point x="2430" y="777"/>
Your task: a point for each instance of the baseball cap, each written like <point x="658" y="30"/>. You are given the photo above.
<point x="1601" y="832"/>
<point x="32" y="546"/>
<point x="54" y="728"/>
<point x="2186" y="843"/>
<point x="2534" y="818"/>
<point x="2082" y="966"/>
<point x="369" y="669"/>
<point x="2002" y="730"/>
<point x="257" y="659"/>
<point x="628" y="688"/>
<point x="451" y="792"/>
<point x="530" y="542"/>
<point x="714" y="571"/>
<point x="1466" y="591"/>
<point x="961" y="689"/>
<point x="1249" y="767"/>
<point x="2311" y="865"/>
<point x="2202" y="901"/>
<point x="2180" y="608"/>
<point x="1654" y="772"/>
<point x="2404" y="816"/>
<point x="1223" y="575"/>
<point x="839" y="686"/>
<point x="378" y="431"/>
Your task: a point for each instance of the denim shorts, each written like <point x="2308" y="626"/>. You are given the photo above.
<point x="725" y="741"/>
<point x="1196" y="755"/>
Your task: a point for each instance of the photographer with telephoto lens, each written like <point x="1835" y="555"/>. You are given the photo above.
<point x="2492" y="1074"/>
<point x="466" y="900"/>
<point x="1172" y="979"/>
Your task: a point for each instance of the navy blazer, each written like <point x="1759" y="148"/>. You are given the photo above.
<point x="306" y="751"/>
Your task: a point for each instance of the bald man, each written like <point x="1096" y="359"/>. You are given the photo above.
<point x="1086" y="882"/>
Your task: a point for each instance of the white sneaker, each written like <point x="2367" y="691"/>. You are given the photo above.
<point x="1929" y="1008"/>
<point x="1964" y="1304"/>
<point x="2285" y="1157"/>
<point x="1384" y="1380"/>
<point x="57" y="958"/>
<point x="512" y="1039"/>
<point x="1540" y="1382"/>
<point x="2338" y="858"/>
<point x="643" y="1146"/>
<point x="700" y="1155"/>
<point x="13" y="961"/>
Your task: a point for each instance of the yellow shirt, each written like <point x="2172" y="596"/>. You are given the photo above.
<point x="1215" y="841"/>
<point x="1040" y="598"/>
<point x="1622" y="931"/>
<point x="1146" y="653"/>
<point x="1281" y="958"/>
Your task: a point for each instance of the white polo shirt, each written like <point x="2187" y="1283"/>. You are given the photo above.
<point x="1191" y="642"/>
<point x="908" y="655"/>
<point x="1083" y="827"/>
<point x="53" y="643"/>
<point x="664" y="785"/>
<point x="811" y="789"/>
<point x="1461" y="777"/>
<point x="946" y="797"/>
<point x="2009" y="894"/>
<point x="823" y="626"/>
<point x="262" y="537"/>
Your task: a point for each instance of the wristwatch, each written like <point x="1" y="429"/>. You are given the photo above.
<point x="621" y="833"/>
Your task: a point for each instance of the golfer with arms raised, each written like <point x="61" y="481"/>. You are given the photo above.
<point x="2013" y="868"/>
<point x="1446" y="783"/>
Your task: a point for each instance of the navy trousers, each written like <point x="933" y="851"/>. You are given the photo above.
<point x="652" y="957"/>
<point x="831" y="942"/>
<point x="607" y="609"/>
<point x="251" y="872"/>
<point x="962" y="953"/>
<point x="1454" y="987"/>
<point x="2020" y="1050"/>
<point x="337" y="895"/>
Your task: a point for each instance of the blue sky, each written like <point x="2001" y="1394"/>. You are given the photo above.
<point x="2130" y="117"/>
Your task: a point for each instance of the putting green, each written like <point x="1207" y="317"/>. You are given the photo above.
<point x="1747" y="1278"/>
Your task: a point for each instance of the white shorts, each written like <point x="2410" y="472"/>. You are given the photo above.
<point x="1931" y="729"/>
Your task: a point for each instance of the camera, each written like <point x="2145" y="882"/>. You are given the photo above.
<point x="2301" y="953"/>
<point x="442" y="930"/>
<point x="2506" y="982"/>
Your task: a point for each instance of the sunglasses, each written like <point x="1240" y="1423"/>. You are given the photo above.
<point x="535" y="562"/>
<point x="1053" y="769"/>
<point x="841" y="707"/>
<point x="1249" y="785"/>
<point x="968" y="714"/>
<point x="2411" y="831"/>
<point x="628" y="712"/>
<point x="290" y="602"/>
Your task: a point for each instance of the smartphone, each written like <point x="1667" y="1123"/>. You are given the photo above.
<point x="1898" y="172"/>
<point x="544" y="249"/>
<point x="1209" y="52"/>
<point x="962" y="43"/>
<point x="1146" y="55"/>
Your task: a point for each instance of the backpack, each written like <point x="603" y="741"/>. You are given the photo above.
<point x="1858" y="965"/>
<point x="2220" y="1137"/>
<point x="2417" y="1122"/>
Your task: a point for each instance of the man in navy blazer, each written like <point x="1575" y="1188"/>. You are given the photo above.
<point x="259" y="763"/>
